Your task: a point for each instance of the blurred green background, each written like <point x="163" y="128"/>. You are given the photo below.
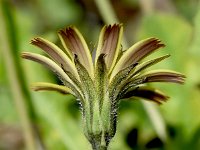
<point x="56" y="118"/>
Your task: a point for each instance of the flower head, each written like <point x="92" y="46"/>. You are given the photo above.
<point x="100" y="84"/>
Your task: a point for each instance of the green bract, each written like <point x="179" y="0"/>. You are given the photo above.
<point x="99" y="85"/>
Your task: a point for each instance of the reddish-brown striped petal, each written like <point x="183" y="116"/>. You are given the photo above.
<point x="163" y="76"/>
<point x="109" y="44"/>
<point x="74" y="43"/>
<point x="43" y="86"/>
<point x="136" y="53"/>
<point x="147" y="94"/>
<point x="47" y="63"/>
<point x="56" y="54"/>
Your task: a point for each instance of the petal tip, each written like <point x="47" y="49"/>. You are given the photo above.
<point x="25" y="55"/>
<point x="36" y="41"/>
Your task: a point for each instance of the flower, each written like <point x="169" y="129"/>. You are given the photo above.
<point x="100" y="84"/>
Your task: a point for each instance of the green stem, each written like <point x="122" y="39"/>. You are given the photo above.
<point x="13" y="78"/>
<point x="109" y="17"/>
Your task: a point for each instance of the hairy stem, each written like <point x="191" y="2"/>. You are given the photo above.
<point x="102" y="148"/>
<point x="99" y="147"/>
